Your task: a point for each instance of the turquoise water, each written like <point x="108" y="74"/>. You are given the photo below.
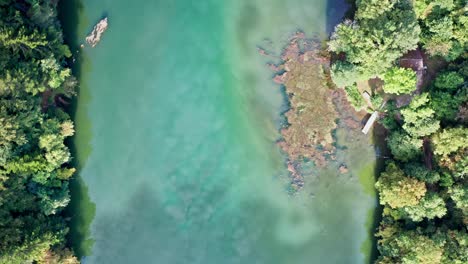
<point x="176" y="126"/>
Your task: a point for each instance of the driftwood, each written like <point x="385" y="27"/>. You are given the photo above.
<point x="95" y="36"/>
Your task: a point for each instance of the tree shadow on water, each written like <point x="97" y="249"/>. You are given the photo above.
<point x="336" y="10"/>
<point x="382" y="152"/>
<point x="81" y="209"/>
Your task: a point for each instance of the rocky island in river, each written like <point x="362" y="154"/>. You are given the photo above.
<point x="95" y="36"/>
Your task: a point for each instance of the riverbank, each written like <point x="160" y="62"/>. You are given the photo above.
<point x="214" y="159"/>
<point x="81" y="210"/>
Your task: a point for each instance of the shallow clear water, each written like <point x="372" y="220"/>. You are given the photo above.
<point x="176" y="123"/>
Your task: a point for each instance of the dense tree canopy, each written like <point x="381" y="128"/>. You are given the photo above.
<point x="403" y="146"/>
<point x="449" y="80"/>
<point x="399" y="81"/>
<point x="410" y="247"/>
<point x="419" y="117"/>
<point x="397" y="190"/>
<point x="424" y="189"/>
<point x="430" y="191"/>
<point x="430" y="207"/>
<point x="446" y="105"/>
<point x="444" y="26"/>
<point x="381" y="32"/>
<point x="421" y="172"/>
<point x="34" y="169"/>
<point x="439" y="167"/>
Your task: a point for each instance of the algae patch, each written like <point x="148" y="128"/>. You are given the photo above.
<point x="311" y="117"/>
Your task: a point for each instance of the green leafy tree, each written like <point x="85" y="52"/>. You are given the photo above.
<point x="52" y="200"/>
<point x="397" y="190"/>
<point x="355" y="97"/>
<point x="403" y="146"/>
<point x="419" y="117"/>
<point x="420" y="172"/>
<point x="27" y="239"/>
<point x="446" y="179"/>
<point x="459" y="194"/>
<point x="424" y="7"/>
<point x="460" y="166"/>
<point x="411" y="247"/>
<point x="444" y="24"/>
<point x="372" y="9"/>
<point x="399" y="81"/>
<point x="449" y="80"/>
<point x="20" y="40"/>
<point x="375" y="39"/>
<point x="438" y="32"/>
<point x="450" y="141"/>
<point x="445" y="105"/>
<point x="55" y="74"/>
<point x="345" y="74"/>
<point x="429" y="207"/>
<point x="455" y="248"/>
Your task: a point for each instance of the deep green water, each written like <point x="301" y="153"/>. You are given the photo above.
<point x="176" y="122"/>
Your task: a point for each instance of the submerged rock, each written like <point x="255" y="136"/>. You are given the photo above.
<point x="343" y="169"/>
<point x="95" y="36"/>
<point x="297" y="180"/>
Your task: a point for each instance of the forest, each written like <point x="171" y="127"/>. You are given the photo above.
<point x="423" y="190"/>
<point x="35" y="85"/>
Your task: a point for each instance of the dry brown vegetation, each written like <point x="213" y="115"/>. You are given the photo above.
<point x="311" y="117"/>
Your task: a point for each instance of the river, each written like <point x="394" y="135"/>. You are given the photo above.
<point x="176" y="123"/>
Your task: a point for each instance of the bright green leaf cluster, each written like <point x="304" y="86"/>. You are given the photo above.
<point x="399" y="81"/>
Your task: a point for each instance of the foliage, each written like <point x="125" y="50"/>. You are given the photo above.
<point x="419" y="117"/>
<point x="425" y="204"/>
<point x="445" y="195"/>
<point x="430" y="207"/>
<point x="376" y="100"/>
<point x="381" y="32"/>
<point x="459" y="194"/>
<point x="445" y="105"/>
<point x="345" y="74"/>
<point x="403" y="146"/>
<point x="389" y="118"/>
<point x="450" y="140"/>
<point x="420" y="172"/>
<point x="410" y="247"/>
<point x="444" y="25"/>
<point x="397" y="190"/>
<point x="34" y="169"/>
<point x="355" y="97"/>
<point x="371" y="9"/>
<point x="399" y="80"/>
<point x="456" y="247"/>
<point x="449" y="80"/>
